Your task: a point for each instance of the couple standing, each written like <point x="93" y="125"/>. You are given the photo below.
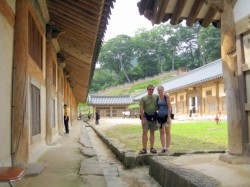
<point x="149" y="105"/>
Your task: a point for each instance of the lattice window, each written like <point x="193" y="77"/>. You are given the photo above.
<point x="54" y="113"/>
<point x="35" y="42"/>
<point x="182" y="98"/>
<point x="35" y="110"/>
<point x="209" y="93"/>
<point x="54" y="74"/>
<point x="114" y="113"/>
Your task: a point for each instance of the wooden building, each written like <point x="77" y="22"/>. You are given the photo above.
<point x="233" y="18"/>
<point x="48" y="52"/>
<point x="201" y="89"/>
<point x="110" y="106"/>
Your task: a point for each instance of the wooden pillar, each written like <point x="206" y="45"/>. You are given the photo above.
<point x="217" y="89"/>
<point x="200" y="101"/>
<point x="49" y="86"/>
<point x="59" y="101"/>
<point x="20" y="119"/>
<point x="229" y="66"/>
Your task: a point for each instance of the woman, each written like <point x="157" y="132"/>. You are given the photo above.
<point x="163" y="119"/>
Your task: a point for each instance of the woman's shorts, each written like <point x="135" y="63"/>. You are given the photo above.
<point x="164" y="124"/>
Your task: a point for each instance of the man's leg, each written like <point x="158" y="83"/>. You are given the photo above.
<point x="67" y="125"/>
<point x="144" y="138"/>
<point x="152" y="138"/>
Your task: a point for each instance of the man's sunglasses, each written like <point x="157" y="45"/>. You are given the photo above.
<point x="151" y="89"/>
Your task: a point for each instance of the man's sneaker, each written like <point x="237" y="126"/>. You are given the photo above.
<point x="143" y="152"/>
<point x="152" y="150"/>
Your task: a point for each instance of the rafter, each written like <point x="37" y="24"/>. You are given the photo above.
<point x="177" y="12"/>
<point x="209" y="17"/>
<point x="194" y="12"/>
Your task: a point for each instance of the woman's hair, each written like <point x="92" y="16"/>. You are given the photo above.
<point x="160" y="88"/>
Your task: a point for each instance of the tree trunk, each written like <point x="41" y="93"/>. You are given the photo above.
<point x="123" y="69"/>
<point x="173" y="61"/>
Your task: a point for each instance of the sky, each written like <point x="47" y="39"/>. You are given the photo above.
<point x="125" y="19"/>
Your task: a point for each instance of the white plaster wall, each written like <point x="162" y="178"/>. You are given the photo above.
<point x="12" y="4"/>
<point x="204" y="89"/>
<point x="241" y="9"/>
<point x="221" y="90"/>
<point x="181" y="94"/>
<point x="6" y="62"/>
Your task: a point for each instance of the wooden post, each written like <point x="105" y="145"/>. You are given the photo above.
<point x="217" y="89"/>
<point x="229" y="66"/>
<point x="20" y="124"/>
<point x="200" y="101"/>
<point x="49" y="86"/>
<point x="59" y="101"/>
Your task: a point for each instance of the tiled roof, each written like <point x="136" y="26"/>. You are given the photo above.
<point x="139" y="96"/>
<point x="200" y="75"/>
<point x="111" y="100"/>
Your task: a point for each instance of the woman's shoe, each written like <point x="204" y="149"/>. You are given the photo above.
<point x="164" y="150"/>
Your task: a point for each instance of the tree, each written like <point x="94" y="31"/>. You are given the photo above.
<point x="102" y="79"/>
<point x="210" y="42"/>
<point x="116" y="55"/>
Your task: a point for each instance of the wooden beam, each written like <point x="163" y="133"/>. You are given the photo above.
<point x="72" y="6"/>
<point x="7" y="12"/>
<point x="78" y="24"/>
<point x="162" y="11"/>
<point x="177" y="12"/>
<point x="156" y="10"/>
<point x="71" y="30"/>
<point x="209" y="17"/>
<point x="73" y="16"/>
<point x="243" y="25"/>
<point x="194" y="12"/>
<point x="74" y="42"/>
<point x="216" y="4"/>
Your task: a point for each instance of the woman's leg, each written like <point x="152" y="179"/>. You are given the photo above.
<point x="168" y="136"/>
<point x="162" y="138"/>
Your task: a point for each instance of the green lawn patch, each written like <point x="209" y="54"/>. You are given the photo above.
<point x="193" y="136"/>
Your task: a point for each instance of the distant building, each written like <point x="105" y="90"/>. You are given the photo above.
<point x="110" y="106"/>
<point x="202" y="88"/>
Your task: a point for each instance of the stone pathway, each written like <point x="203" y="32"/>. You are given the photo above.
<point x="81" y="159"/>
<point x="114" y="172"/>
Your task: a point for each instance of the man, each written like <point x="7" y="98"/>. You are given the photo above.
<point x="97" y="117"/>
<point x="66" y="119"/>
<point x="148" y="108"/>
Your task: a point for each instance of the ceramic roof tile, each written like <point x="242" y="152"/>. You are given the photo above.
<point x="199" y="75"/>
<point x="105" y="100"/>
<point x="202" y="74"/>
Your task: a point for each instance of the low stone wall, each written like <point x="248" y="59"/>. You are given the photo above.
<point x="168" y="174"/>
<point x="131" y="159"/>
<point x="164" y="172"/>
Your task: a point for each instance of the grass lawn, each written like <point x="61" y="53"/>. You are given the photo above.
<point x="190" y="136"/>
